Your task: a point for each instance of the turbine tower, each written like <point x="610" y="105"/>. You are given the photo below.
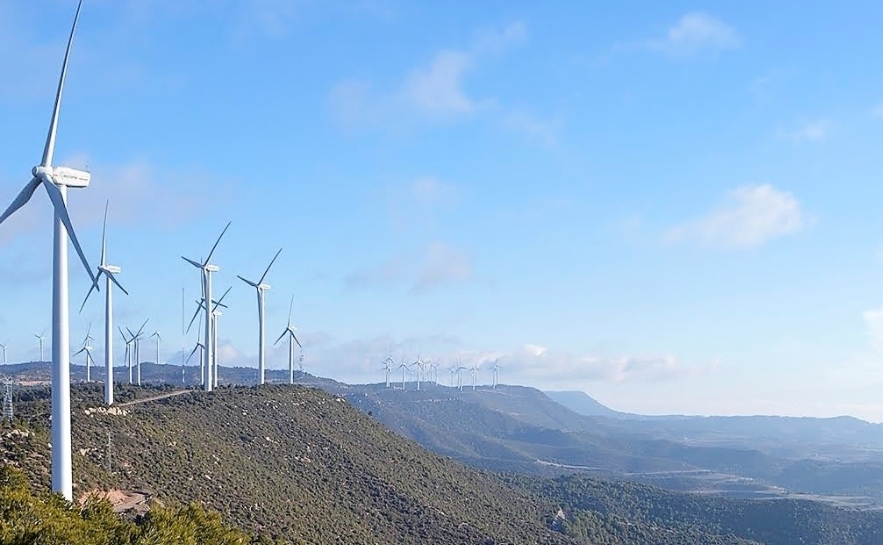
<point x="201" y="347"/>
<point x="261" y="289"/>
<point x="418" y="363"/>
<point x="206" y="269"/>
<point x="3" y="347"/>
<point x="41" y="337"/>
<point x="289" y="330"/>
<point x="496" y="369"/>
<point x="109" y="279"/>
<point x="87" y="348"/>
<point x="474" y="372"/>
<point x="55" y="180"/>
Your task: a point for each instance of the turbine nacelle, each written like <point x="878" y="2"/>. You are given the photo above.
<point x="65" y="176"/>
<point x="110" y="269"/>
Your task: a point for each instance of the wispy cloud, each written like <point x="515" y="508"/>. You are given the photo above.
<point x="443" y="264"/>
<point x="433" y="91"/>
<point x="751" y="215"/>
<point x="696" y="32"/>
<point x="436" y="265"/>
<point x="807" y="131"/>
<point x="545" y="131"/>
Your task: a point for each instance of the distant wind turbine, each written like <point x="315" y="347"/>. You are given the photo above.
<point x="261" y="289"/>
<point x="496" y="368"/>
<point x="87" y="348"/>
<point x="109" y="272"/>
<point x="158" y="342"/>
<point x="136" y="348"/>
<point x="3" y="347"/>
<point x="403" y="366"/>
<point x="128" y="353"/>
<point x="386" y="366"/>
<point x="206" y="270"/>
<point x="474" y="372"/>
<point x="40" y="338"/>
<point x="201" y="347"/>
<point x="289" y="330"/>
<point x="418" y="364"/>
<point x="55" y="180"/>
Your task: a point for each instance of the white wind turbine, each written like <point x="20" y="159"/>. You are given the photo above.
<point x="418" y="363"/>
<point x="474" y="372"/>
<point x="41" y="337"/>
<point x="109" y="279"/>
<point x="403" y="366"/>
<point x="158" y="342"/>
<point x="55" y="180"/>
<point x="128" y="354"/>
<point x="261" y="289"/>
<point x="460" y="370"/>
<point x="3" y="347"/>
<point x="206" y="270"/>
<point x="201" y="347"/>
<point x="289" y="330"/>
<point x="136" y="348"/>
<point x="386" y="366"/>
<point x="87" y="348"/>
<point x="200" y="307"/>
<point x="496" y="369"/>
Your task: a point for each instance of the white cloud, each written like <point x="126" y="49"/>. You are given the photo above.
<point x="807" y="131"/>
<point x="696" y="32"/>
<point x="434" y="91"/>
<point x="543" y="130"/>
<point x="437" y="89"/>
<point x="752" y="215"/>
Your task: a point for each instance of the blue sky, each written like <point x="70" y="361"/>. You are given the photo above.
<point x="671" y="206"/>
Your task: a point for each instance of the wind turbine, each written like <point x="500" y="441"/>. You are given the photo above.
<point x="3" y="347"/>
<point x="289" y="330"/>
<point x="128" y="353"/>
<point x="418" y="363"/>
<point x="55" y="180"/>
<point x="109" y="279"/>
<point x="386" y="366"/>
<point x="460" y="370"/>
<point x="453" y="370"/>
<point x="158" y="341"/>
<point x="261" y="289"/>
<point x="41" y="337"/>
<point x="87" y="348"/>
<point x="206" y="269"/>
<point x="403" y="366"/>
<point x="496" y="369"/>
<point x="474" y="372"/>
<point x="136" y="342"/>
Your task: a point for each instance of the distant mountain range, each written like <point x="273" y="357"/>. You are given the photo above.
<point x="514" y="428"/>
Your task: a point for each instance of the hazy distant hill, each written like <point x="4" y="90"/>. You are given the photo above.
<point x="582" y="403"/>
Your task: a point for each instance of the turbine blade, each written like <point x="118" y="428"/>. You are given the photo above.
<point x="218" y="302"/>
<point x="195" y="348"/>
<point x="78" y="352"/>
<point x="23" y="197"/>
<point x="104" y="235"/>
<point x="194" y="263"/>
<point x="261" y="281"/>
<point x="53" y="124"/>
<point x="89" y="330"/>
<point x="142" y="327"/>
<point x="209" y="258"/>
<point x="123" y="335"/>
<point x="290" y="306"/>
<point x="195" y="314"/>
<point x="293" y="336"/>
<point x="249" y="282"/>
<point x="88" y="293"/>
<point x="61" y="212"/>
<point x="114" y="280"/>
<point x="280" y="337"/>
